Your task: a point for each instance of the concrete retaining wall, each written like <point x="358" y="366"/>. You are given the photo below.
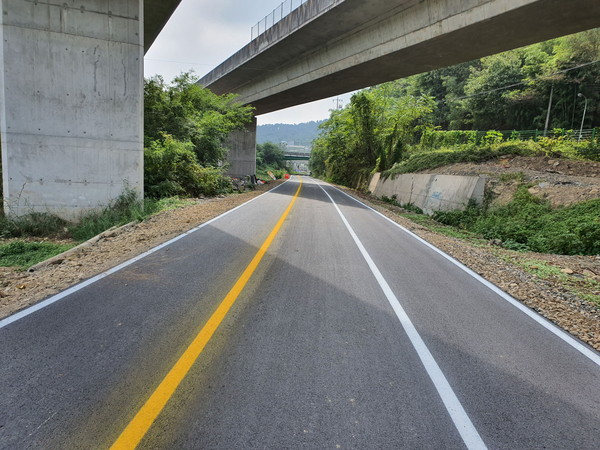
<point x="430" y="192"/>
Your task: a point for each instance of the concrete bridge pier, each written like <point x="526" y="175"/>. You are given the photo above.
<point x="71" y="103"/>
<point x="242" y="151"/>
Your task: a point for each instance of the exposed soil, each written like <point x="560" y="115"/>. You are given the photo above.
<point x="514" y="272"/>
<point x="562" y="182"/>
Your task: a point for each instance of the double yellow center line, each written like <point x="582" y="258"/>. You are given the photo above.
<point x="141" y="423"/>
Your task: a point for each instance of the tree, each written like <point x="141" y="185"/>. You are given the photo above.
<point x="270" y="155"/>
<point x="191" y="113"/>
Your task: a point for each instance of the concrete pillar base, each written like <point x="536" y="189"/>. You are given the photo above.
<point x="71" y="104"/>
<point x="242" y="151"/>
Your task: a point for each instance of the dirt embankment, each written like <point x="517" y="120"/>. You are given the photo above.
<point x="562" y="182"/>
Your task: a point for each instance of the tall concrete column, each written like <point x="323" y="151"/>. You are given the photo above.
<point x="242" y="151"/>
<point x="71" y="103"/>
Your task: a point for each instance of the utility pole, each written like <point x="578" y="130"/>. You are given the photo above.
<point x="548" y="113"/>
<point x="338" y="103"/>
<point x="583" y="118"/>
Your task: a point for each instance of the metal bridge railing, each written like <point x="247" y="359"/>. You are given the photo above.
<point x="278" y="13"/>
<point x="285" y="9"/>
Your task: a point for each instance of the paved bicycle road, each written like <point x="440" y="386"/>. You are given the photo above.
<point x="313" y="354"/>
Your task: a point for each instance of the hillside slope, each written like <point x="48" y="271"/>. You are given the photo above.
<point x="562" y="182"/>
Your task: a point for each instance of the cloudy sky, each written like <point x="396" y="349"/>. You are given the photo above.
<point x="203" y="33"/>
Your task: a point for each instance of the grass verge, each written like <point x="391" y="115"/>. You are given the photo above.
<point x="24" y="254"/>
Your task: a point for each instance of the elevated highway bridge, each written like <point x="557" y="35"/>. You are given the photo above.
<point x="329" y="47"/>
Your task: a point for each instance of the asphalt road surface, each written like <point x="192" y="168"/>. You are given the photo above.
<point x="302" y="319"/>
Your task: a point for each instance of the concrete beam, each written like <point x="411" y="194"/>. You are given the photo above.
<point x="355" y="44"/>
<point x="156" y="15"/>
<point x="71" y="97"/>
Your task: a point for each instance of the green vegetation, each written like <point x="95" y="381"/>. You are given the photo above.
<point x="172" y="169"/>
<point x="421" y="158"/>
<point x="33" y="224"/>
<point x="528" y="223"/>
<point x="586" y="288"/>
<point x="185" y="130"/>
<point x="24" y="254"/>
<point x="270" y="158"/>
<point x="393" y="200"/>
<point x="397" y="126"/>
<point x="128" y="207"/>
<point x="372" y="133"/>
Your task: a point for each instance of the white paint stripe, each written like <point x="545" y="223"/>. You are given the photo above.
<point x="25" y="312"/>
<point x="459" y="416"/>
<point x="541" y="320"/>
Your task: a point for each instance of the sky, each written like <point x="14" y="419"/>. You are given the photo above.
<point x="201" y="34"/>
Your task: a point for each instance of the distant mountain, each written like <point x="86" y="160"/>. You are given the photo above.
<point x="298" y="134"/>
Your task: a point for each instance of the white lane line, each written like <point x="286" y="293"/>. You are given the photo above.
<point x="27" y="311"/>
<point x="541" y="320"/>
<point x="459" y="416"/>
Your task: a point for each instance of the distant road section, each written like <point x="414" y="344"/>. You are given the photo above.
<point x="346" y="331"/>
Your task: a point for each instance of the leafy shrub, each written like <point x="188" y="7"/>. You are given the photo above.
<point x="171" y="168"/>
<point x="459" y="218"/>
<point x="530" y="223"/>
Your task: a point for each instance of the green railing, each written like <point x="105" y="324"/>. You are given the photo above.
<point x="590" y="134"/>
<point x="440" y="138"/>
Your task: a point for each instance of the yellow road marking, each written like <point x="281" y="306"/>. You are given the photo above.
<point x="141" y="423"/>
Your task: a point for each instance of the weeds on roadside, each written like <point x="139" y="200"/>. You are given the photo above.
<point x="585" y="288"/>
<point x="33" y="224"/>
<point x="128" y="207"/>
<point x="529" y="223"/>
<point x="393" y="200"/>
<point x="25" y="254"/>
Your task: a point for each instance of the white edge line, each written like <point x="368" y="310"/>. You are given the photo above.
<point x="459" y="416"/>
<point x="30" y="310"/>
<point x="541" y="320"/>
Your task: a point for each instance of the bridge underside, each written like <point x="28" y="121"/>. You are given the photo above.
<point x="357" y="44"/>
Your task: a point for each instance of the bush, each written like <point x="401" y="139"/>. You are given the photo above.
<point x="171" y="169"/>
<point x="460" y="219"/>
<point x="425" y="159"/>
<point x="529" y="223"/>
